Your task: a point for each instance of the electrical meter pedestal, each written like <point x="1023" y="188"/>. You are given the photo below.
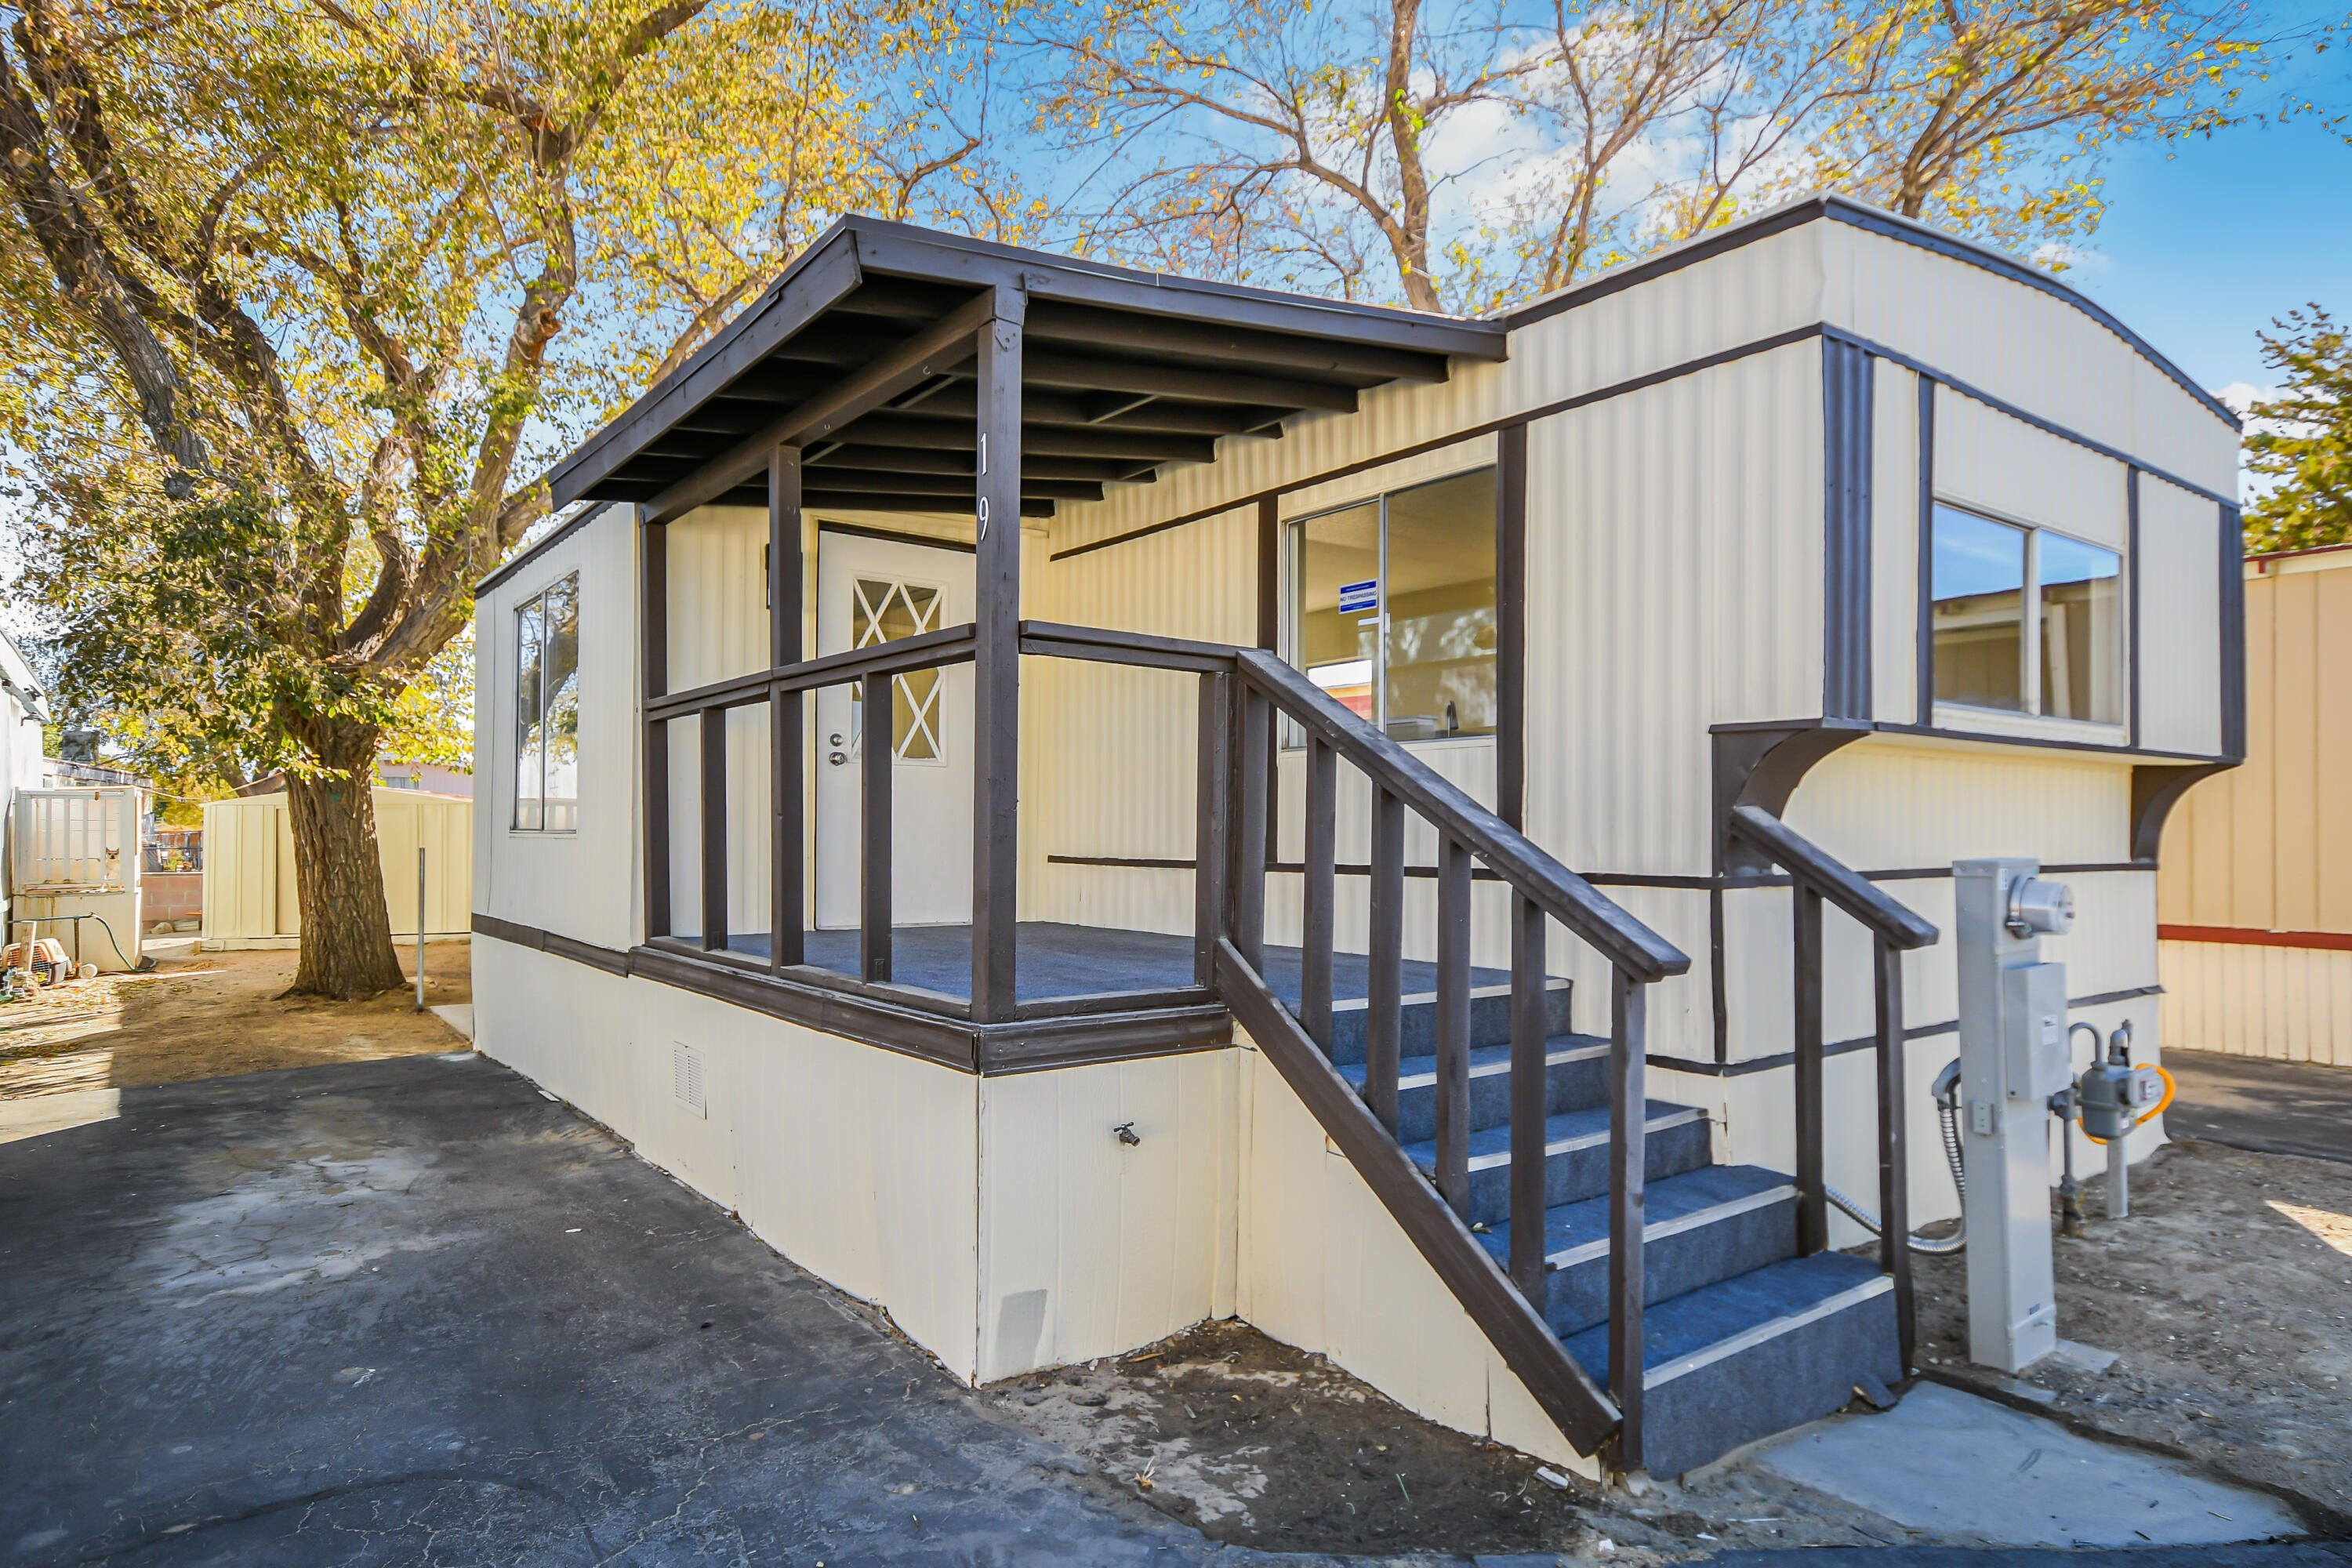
<point x="2013" y="1058"/>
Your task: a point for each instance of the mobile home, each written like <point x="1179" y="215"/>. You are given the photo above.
<point x="1078" y="801"/>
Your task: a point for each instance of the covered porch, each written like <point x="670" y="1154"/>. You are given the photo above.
<point x="909" y="385"/>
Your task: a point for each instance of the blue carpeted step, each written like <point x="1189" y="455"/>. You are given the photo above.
<point x="1576" y="1068"/>
<point x="1490" y="1021"/>
<point x="1702" y="1227"/>
<point x="1576" y="1155"/>
<point x="1747" y="1357"/>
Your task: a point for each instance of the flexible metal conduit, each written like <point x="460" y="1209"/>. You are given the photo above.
<point x="1947" y="1117"/>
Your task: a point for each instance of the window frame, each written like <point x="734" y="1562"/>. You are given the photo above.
<point x="1291" y="737"/>
<point x="2030" y="612"/>
<point x="529" y="603"/>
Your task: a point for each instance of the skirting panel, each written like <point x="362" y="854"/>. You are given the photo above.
<point x="2288" y="1004"/>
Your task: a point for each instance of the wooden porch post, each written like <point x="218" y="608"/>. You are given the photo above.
<point x="996" y="662"/>
<point x="785" y="780"/>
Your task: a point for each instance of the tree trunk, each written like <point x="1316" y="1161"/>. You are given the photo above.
<point x="347" y="952"/>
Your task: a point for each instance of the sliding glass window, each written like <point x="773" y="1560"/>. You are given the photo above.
<point x="2065" y="659"/>
<point x="1392" y="607"/>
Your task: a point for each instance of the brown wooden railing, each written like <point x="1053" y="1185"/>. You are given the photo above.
<point x="1816" y="878"/>
<point x="1241" y="691"/>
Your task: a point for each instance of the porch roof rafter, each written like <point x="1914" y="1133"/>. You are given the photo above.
<point x="862" y="354"/>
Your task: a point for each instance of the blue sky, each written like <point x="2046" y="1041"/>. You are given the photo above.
<point x="2205" y="242"/>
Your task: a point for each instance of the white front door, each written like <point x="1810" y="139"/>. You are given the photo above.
<point x="873" y="590"/>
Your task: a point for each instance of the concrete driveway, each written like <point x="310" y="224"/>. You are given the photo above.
<point x="409" y="1312"/>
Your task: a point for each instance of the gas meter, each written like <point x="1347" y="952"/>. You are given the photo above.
<point x="2112" y="1097"/>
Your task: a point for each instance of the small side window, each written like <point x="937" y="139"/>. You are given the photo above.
<point x="547" y="709"/>
<point x="2063" y="660"/>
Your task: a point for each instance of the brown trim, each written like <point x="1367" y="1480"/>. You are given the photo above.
<point x="1527" y="1344"/>
<point x="1269" y="573"/>
<point x="892" y="536"/>
<point x="1866" y="1042"/>
<point x="1511" y="625"/>
<point x="2246" y="936"/>
<point x="653" y="752"/>
<point x="2023" y="416"/>
<point x="2155" y="791"/>
<point x="996" y="658"/>
<point x="787" y="769"/>
<point x="1173" y="1024"/>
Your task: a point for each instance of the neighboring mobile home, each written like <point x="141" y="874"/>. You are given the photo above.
<point x="1180" y="922"/>
<point x="2256" y="893"/>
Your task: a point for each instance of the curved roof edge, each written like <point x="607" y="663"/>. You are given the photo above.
<point x="1834" y="208"/>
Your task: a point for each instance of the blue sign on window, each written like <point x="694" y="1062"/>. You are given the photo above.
<point x="1356" y="598"/>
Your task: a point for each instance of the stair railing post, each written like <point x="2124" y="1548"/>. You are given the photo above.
<point x="1813" y="1199"/>
<point x="1893" y="1166"/>
<point x="1454" y="1023"/>
<point x="874" y="872"/>
<point x="1253" y="763"/>
<point x="1384" y="964"/>
<point x="1319" y="856"/>
<point x="1210" y="853"/>
<point x="1628" y="1168"/>
<point x="1531" y="1098"/>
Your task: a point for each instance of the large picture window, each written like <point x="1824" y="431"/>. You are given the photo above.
<point x="547" y="709"/>
<point x="1392" y="607"/>
<point x="2027" y="620"/>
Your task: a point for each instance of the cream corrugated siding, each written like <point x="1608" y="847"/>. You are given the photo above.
<point x="582" y="884"/>
<point x="1089" y="1245"/>
<point x="2026" y="346"/>
<point x="1324" y="1267"/>
<point x="2267" y="847"/>
<point x="1771" y="286"/>
<point x="1894" y="544"/>
<point x="1673" y="583"/>
<point x="2180" y="631"/>
<point x="1986" y="460"/>
<point x="856" y="1163"/>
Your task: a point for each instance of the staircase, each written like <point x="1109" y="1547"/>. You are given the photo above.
<point x="1743" y="1337"/>
<point x="1661" y="1310"/>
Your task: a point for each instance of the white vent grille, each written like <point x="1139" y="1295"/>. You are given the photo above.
<point x="685" y="1078"/>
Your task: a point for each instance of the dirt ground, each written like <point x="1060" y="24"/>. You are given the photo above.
<point x="1264" y="1445"/>
<point x="208" y="1014"/>
<point x="2226" y="1293"/>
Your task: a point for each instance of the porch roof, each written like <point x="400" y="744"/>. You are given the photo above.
<point x="1121" y="372"/>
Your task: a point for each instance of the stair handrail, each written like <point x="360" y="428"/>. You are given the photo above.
<point x="1809" y="863"/>
<point x="1592" y="915"/>
<point x="1817" y="877"/>
<point x="1241" y="691"/>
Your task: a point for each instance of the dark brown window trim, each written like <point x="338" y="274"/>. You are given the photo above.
<point x="1175" y="1024"/>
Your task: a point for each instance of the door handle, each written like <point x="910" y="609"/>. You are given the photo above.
<point x="837" y="759"/>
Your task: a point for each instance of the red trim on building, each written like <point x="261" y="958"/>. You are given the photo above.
<point x="2244" y="936"/>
